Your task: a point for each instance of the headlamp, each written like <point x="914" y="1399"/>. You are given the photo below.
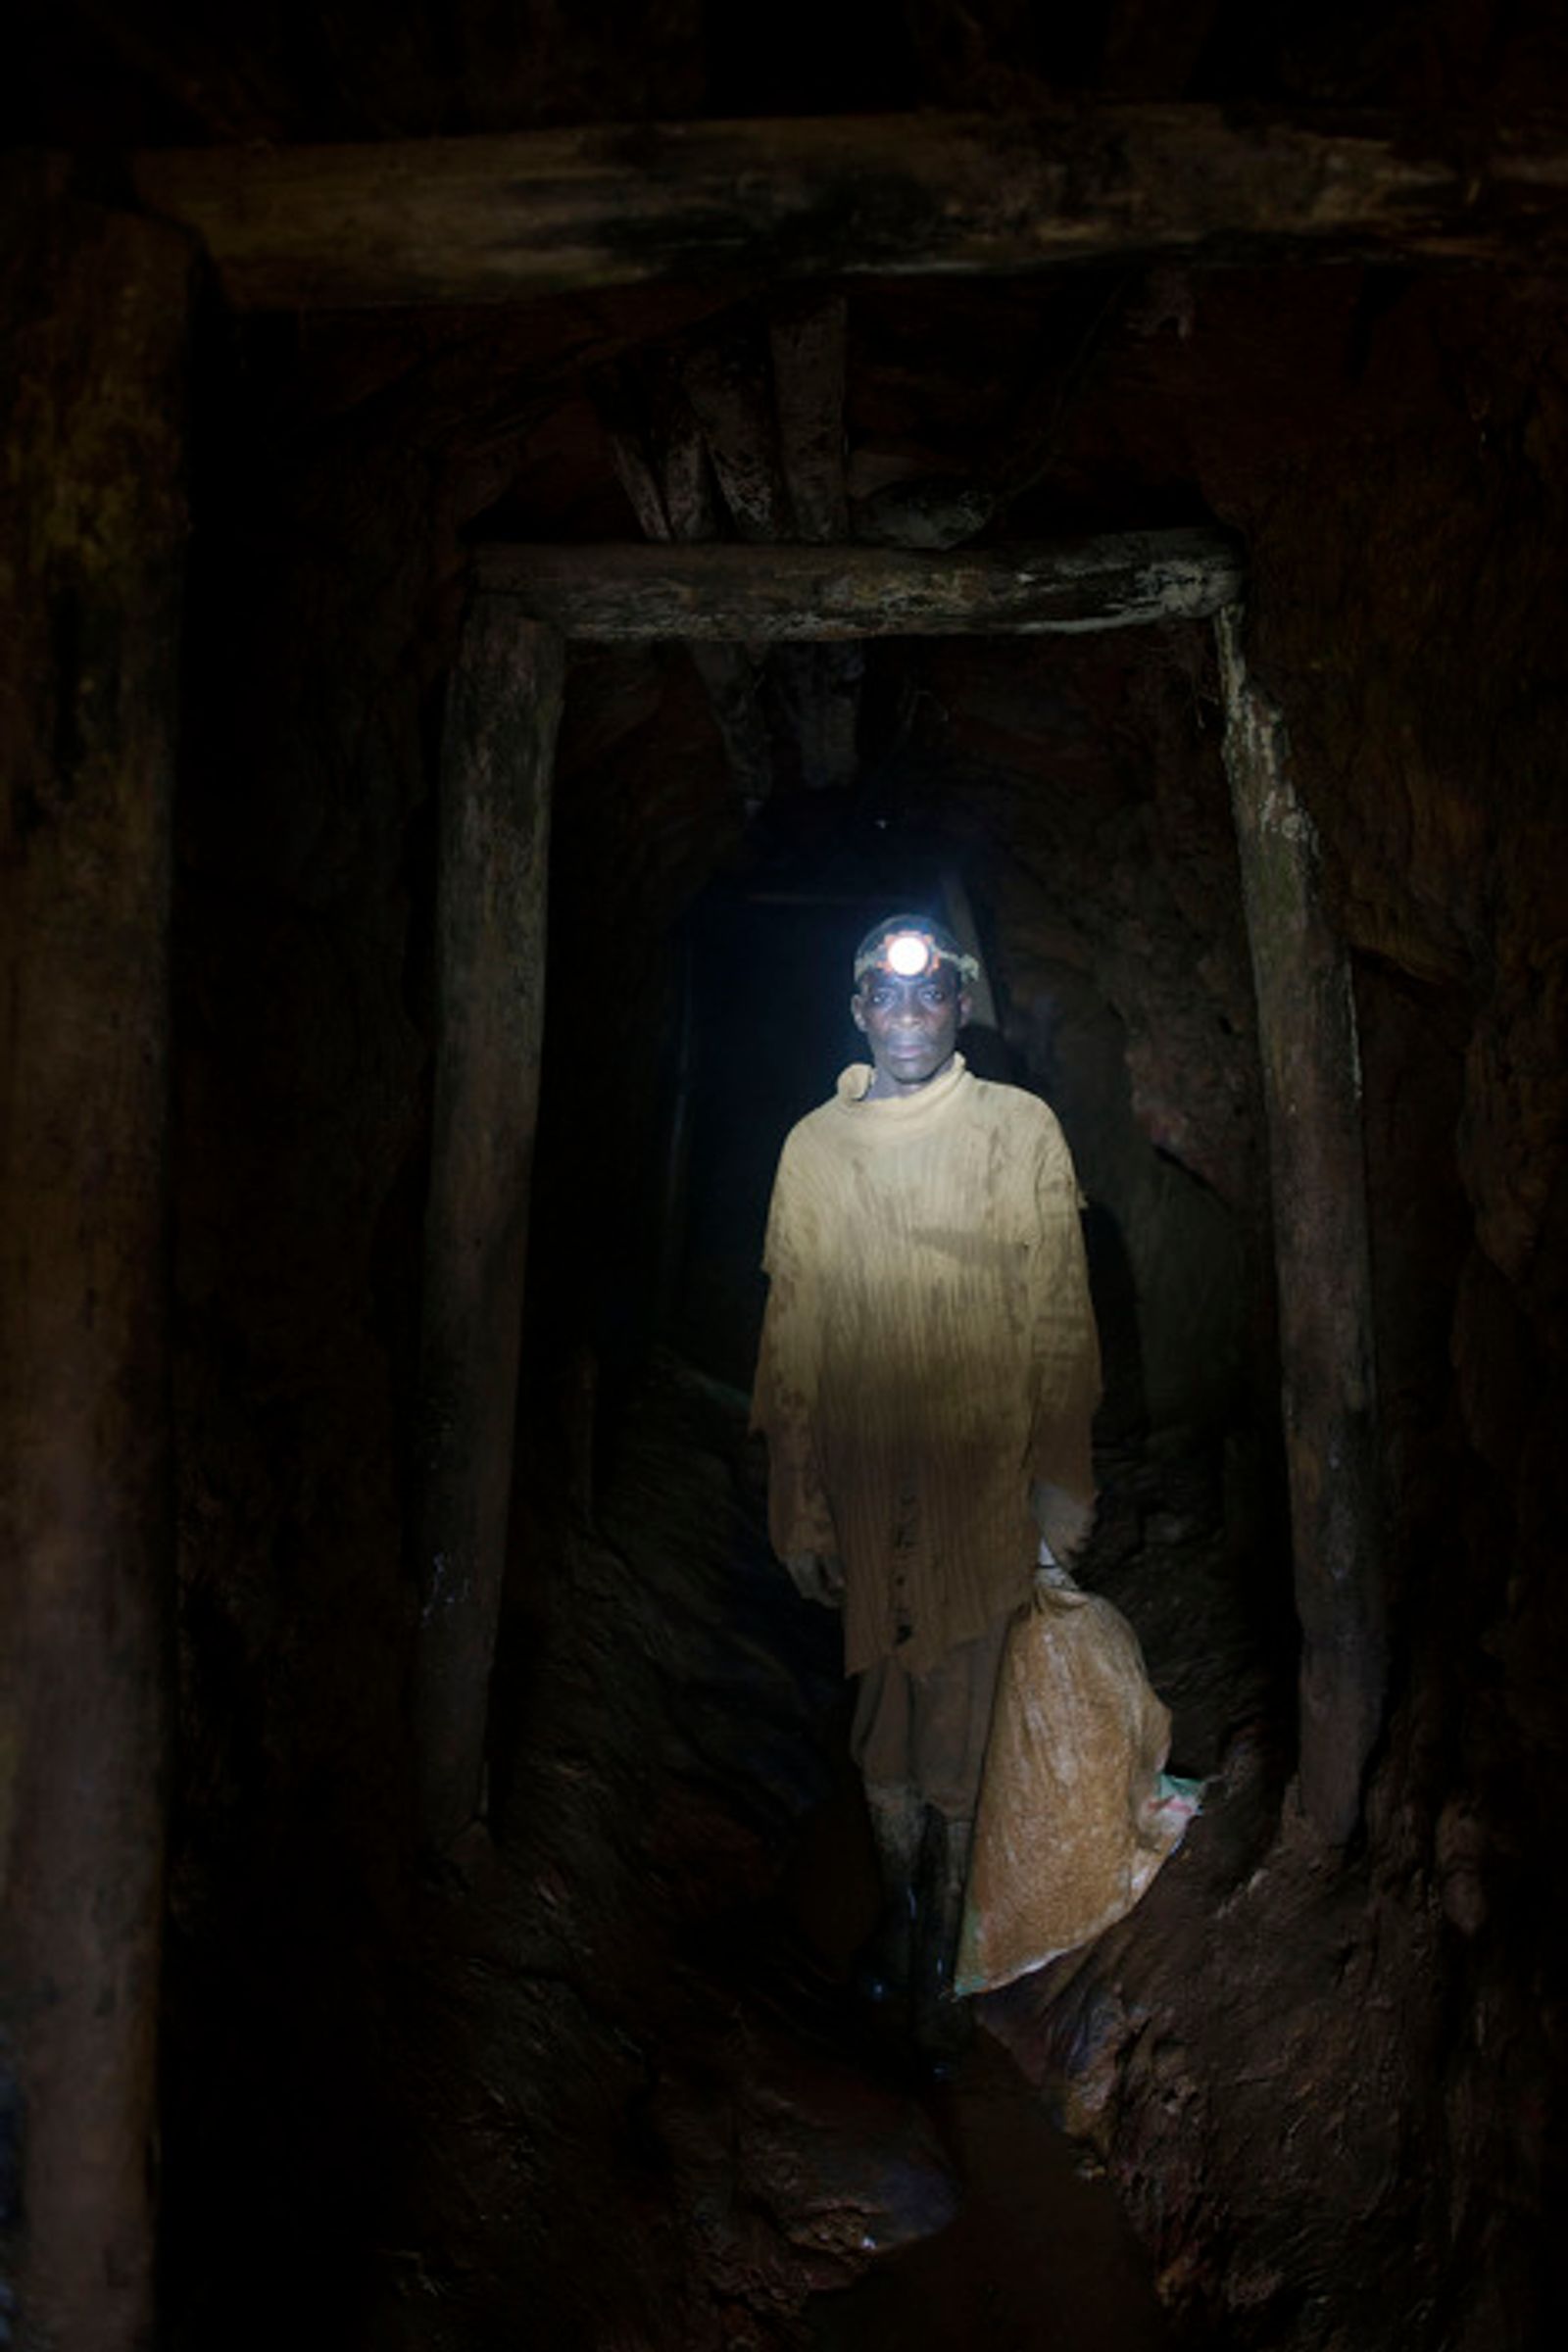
<point x="909" y="955"/>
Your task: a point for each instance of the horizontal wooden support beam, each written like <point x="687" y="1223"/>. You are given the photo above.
<point x="503" y="218"/>
<point x="801" y="593"/>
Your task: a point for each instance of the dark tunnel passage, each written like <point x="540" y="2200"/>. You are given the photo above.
<point x="765" y="2112"/>
<point x="418" y="958"/>
<point x="650" y="1962"/>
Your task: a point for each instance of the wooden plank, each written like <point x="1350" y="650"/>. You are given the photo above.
<point x="498" y="758"/>
<point x="803" y="593"/>
<point x="622" y="414"/>
<point x="1312" y="1097"/>
<point x="662" y="462"/>
<point x="729" y="389"/>
<point x="656" y="447"/>
<point x="729" y="680"/>
<point x="93" y="515"/>
<point x="503" y="219"/>
<point x="688" y="480"/>
<point x="691" y="498"/>
<point x="808" y="338"/>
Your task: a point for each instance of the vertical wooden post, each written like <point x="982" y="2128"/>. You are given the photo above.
<point x="496" y="771"/>
<point x="92" y="521"/>
<point x="1312" y="1093"/>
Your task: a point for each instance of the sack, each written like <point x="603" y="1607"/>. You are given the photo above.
<point x="1076" y="1812"/>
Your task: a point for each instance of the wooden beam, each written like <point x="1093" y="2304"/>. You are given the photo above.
<point x="624" y="423"/>
<point x="809" y="344"/>
<point x="803" y="593"/>
<point x="729" y="680"/>
<point x="663" y="466"/>
<point x="809" y="336"/>
<point x="727" y="385"/>
<point x="686" y="475"/>
<point x="93" y="515"/>
<point x="1312" y="1098"/>
<point x="503" y="218"/>
<point x="497" y="764"/>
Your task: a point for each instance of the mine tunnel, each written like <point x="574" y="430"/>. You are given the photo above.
<point x="496" y="608"/>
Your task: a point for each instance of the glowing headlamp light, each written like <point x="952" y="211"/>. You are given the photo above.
<point x="907" y="955"/>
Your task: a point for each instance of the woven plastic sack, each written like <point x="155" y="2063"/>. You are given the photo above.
<point x="1076" y="1811"/>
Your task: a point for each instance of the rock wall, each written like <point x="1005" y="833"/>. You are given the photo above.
<point x="120" y="70"/>
<point x="1322" y="2049"/>
<point x="301" y="1136"/>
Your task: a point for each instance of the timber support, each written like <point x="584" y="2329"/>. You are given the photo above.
<point x="507" y="219"/>
<point x="797" y="595"/>
<point x="1312" y="1098"/>
<point x="663" y="466"/>
<point x="92" y="515"/>
<point x="496" y="768"/>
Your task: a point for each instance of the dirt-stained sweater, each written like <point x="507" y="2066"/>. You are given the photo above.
<point x="929" y="1348"/>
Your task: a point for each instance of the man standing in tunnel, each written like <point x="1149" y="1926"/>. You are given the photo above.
<point x="928" y="1372"/>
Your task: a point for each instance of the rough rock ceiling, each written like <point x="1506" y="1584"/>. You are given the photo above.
<point x="170" y="71"/>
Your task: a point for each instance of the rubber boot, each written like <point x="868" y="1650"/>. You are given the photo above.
<point x="885" y="1962"/>
<point x="943" y="2024"/>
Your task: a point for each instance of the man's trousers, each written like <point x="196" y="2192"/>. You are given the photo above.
<point x="924" y="1734"/>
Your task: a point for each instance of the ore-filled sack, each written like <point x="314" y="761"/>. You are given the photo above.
<point x="1076" y="1811"/>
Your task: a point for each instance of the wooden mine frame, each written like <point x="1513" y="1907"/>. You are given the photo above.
<point x="527" y="602"/>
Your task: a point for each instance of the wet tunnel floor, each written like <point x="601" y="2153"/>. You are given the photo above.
<point x="642" y="2109"/>
<point x="1038" y="2257"/>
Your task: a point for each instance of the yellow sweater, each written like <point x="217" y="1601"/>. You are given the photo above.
<point x="929" y="1348"/>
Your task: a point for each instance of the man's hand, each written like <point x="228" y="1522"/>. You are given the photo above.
<point x="817" y="1576"/>
<point x="1063" y="1521"/>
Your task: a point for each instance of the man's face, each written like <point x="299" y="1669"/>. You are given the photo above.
<point x="911" y="1026"/>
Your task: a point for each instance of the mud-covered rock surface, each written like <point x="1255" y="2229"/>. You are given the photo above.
<point x="624" y="2094"/>
<point x="630" y="2113"/>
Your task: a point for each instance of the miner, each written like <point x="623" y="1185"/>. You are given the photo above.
<point x="927" y="1376"/>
